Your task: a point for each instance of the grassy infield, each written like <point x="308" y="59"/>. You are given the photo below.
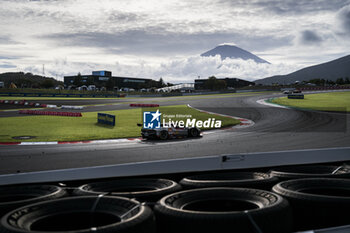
<point x="56" y="128"/>
<point x="333" y="101"/>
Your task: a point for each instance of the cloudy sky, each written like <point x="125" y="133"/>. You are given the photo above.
<point x="152" y="39"/>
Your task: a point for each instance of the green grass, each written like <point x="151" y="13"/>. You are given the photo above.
<point x="57" y="128"/>
<point x="333" y="101"/>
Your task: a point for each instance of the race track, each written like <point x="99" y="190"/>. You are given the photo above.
<point x="275" y="129"/>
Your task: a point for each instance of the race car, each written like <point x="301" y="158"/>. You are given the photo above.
<point x="166" y="132"/>
<point x="296" y="91"/>
<point x="287" y="92"/>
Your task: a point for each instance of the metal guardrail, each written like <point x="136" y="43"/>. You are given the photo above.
<point x="208" y="163"/>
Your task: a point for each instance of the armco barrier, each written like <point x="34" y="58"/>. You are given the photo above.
<point x="49" y="113"/>
<point x="144" y="105"/>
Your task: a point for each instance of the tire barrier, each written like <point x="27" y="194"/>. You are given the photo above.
<point x="311" y="171"/>
<point x="17" y="196"/>
<point x="149" y="190"/>
<point x="144" y="105"/>
<point x="230" y="179"/>
<point x="223" y="210"/>
<point x="49" y="113"/>
<point x="317" y="202"/>
<point x="81" y="214"/>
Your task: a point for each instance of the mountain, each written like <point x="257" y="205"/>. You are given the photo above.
<point x="339" y="68"/>
<point x="231" y="51"/>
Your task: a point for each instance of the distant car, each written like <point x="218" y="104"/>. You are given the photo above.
<point x="165" y="132"/>
<point x="287" y="92"/>
<point x="296" y="91"/>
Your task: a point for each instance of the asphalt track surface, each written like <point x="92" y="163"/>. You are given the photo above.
<point x="275" y="129"/>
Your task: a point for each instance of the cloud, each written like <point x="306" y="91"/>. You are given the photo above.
<point x="190" y="68"/>
<point x="292" y="7"/>
<point x="7" y="66"/>
<point x="6" y="58"/>
<point x="343" y="17"/>
<point x="173" y="70"/>
<point x="309" y="37"/>
<point x="157" y="41"/>
<point x="7" y="40"/>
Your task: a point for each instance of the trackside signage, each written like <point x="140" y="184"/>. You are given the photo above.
<point x="107" y="119"/>
<point x="152" y="120"/>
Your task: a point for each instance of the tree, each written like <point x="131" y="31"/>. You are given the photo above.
<point x="48" y="83"/>
<point x="347" y="80"/>
<point x="78" y="80"/>
<point x="318" y="82"/>
<point x="330" y="82"/>
<point x="161" y="83"/>
<point x="340" y="81"/>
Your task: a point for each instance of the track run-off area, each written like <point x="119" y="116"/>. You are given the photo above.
<point x="274" y="129"/>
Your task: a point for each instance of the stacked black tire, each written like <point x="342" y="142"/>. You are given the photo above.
<point x="223" y="210"/>
<point x="81" y="214"/>
<point x="302" y="198"/>
<point x="319" y="195"/>
<point x="104" y="207"/>
<point x="12" y="197"/>
<point x="144" y="190"/>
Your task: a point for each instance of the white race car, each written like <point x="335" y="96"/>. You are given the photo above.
<point x="165" y="132"/>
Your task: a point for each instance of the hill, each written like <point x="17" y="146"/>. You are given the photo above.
<point x="332" y="70"/>
<point x="28" y="80"/>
